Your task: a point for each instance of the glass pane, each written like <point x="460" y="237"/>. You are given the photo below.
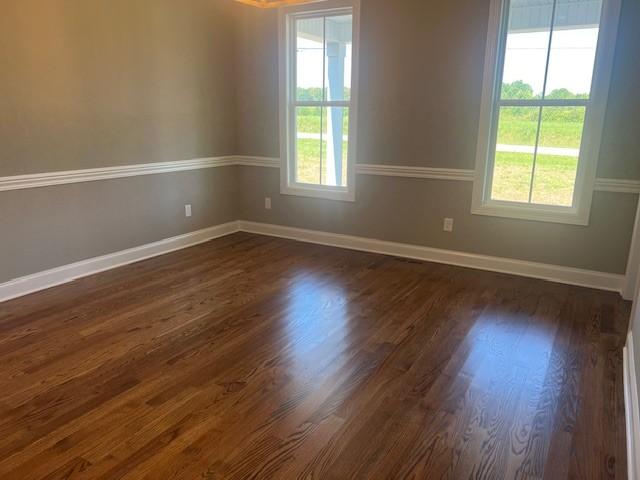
<point x="338" y="51"/>
<point x="558" y="154"/>
<point x="573" y="48"/>
<point x="526" y="49"/>
<point x="515" y="148"/>
<point x="309" y="58"/>
<point x="335" y="147"/>
<point x="308" y="145"/>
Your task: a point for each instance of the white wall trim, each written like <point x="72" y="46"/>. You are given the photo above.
<point x="457" y="174"/>
<point x="18" y="182"/>
<point x="47" y="179"/>
<point x="267" y="162"/>
<point x="617" y="185"/>
<point x="66" y="273"/>
<point x="416" y="172"/>
<point x="554" y="273"/>
<point x="632" y="410"/>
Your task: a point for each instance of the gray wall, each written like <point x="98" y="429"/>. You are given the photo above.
<point x="421" y="68"/>
<point x="95" y="83"/>
<point x="412" y="210"/>
<point x="420" y="91"/>
<point x="53" y="226"/>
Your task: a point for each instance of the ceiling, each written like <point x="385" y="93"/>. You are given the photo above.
<point x="271" y="3"/>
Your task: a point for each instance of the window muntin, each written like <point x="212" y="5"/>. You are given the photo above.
<point x="319" y="104"/>
<point x="536" y="160"/>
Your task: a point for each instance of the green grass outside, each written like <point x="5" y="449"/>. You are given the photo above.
<point x="517" y="126"/>
<point x="311" y="123"/>
<point x="552" y="134"/>
<point x="555" y="175"/>
<point x="310" y="168"/>
<point x="513" y="131"/>
<point x="553" y="183"/>
<point x="308" y="162"/>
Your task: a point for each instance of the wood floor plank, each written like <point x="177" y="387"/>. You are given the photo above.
<point x="250" y="357"/>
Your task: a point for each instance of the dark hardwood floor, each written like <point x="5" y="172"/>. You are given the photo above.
<point x="254" y="357"/>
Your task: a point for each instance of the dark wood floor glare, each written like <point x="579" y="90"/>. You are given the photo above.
<point x="254" y="357"/>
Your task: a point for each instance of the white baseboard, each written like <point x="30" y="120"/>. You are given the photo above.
<point x="66" y="273"/>
<point x="554" y="273"/>
<point x="632" y="410"/>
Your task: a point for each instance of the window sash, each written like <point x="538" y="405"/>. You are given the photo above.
<point x="288" y="19"/>
<point x="595" y="107"/>
<point x="293" y="161"/>
<point x="493" y="150"/>
<point x="537" y="103"/>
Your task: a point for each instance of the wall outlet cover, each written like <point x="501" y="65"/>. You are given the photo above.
<point x="448" y="225"/>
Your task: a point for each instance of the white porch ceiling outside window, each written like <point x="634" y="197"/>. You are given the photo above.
<point x="526" y="16"/>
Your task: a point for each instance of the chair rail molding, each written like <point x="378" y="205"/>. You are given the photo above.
<point x="35" y="180"/>
<point x="617" y="185"/>
<point x="47" y="179"/>
<point x="416" y="172"/>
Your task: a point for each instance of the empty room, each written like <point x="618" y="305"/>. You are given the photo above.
<point x="319" y="239"/>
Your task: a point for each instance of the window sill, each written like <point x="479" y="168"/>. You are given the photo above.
<point x="569" y="216"/>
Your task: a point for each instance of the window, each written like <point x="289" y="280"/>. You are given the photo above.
<point x="546" y="80"/>
<point x="318" y="66"/>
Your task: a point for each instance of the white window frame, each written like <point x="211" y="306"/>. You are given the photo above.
<point x="288" y="101"/>
<point x="579" y="213"/>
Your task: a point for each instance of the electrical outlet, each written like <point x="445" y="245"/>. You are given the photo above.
<point x="187" y="210"/>
<point x="267" y="203"/>
<point x="448" y="225"/>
